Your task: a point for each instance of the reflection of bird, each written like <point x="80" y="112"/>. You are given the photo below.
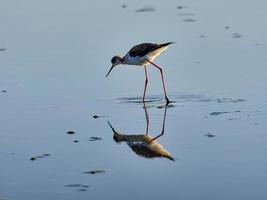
<point x="142" y="55"/>
<point x="144" y="145"/>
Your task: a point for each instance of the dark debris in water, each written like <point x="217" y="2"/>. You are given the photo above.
<point x="226" y="27"/>
<point x="236" y="35"/>
<point x="225" y="112"/>
<point x="93" y="172"/>
<point x="4" y="91"/>
<point x="202" y="36"/>
<point x="70" y="132"/>
<point x="40" y="156"/>
<point x="189" y="20"/>
<point x="218" y="113"/>
<point x="151" y="99"/>
<point x="187" y="98"/>
<point x="124" y="6"/>
<point x="192" y="98"/>
<point x="73" y="185"/>
<point x="94" y="138"/>
<point x="254" y="124"/>
<point x="76" y="141"/>
<point x="79" y="187"/>
<point x="235" y="118"/>
<point x="2" y="49"/>
<point x="230" y="100"/>
<point x="180" y="7"/>
<point x="164" y="106"/>
<point x="186" y="14"/>
<point x="98" y="116"/>
<point x="140" y="99"/>
<point x="210" y="135"/>
<point x="145" y="9"/>
<point x="82" y="189"/>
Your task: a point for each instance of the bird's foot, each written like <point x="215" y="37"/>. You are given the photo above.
<point x="167" y="101"/>
<point x="144" y="101"/>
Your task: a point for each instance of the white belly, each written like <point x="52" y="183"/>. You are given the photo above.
<point x="136" y="60"/>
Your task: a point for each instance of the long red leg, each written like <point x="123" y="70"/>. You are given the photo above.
<point x="144" y="96"/>
<point x="162" y="79"/>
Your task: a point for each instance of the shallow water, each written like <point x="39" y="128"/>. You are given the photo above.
<point x="55" y="102"/>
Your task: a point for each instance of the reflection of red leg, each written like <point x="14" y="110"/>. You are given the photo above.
<point x="147" y="119"/>
<point x="162" y="79"/>
<point x="163" y="125"/>
<point x="144" y="96"/>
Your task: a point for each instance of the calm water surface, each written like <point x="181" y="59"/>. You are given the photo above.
<point x="54" y="57"/>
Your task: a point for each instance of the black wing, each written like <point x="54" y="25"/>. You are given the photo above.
<point x="141" y="50"/>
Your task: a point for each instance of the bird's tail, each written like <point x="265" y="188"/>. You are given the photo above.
<point x="159" y="46"/>
<point x="171" y="158"/>
<point x="166" y="44"/>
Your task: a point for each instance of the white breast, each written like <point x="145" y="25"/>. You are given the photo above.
<point x="135" y="60"/>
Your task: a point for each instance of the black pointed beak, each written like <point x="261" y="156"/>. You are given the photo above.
<point x="110" y="70"/>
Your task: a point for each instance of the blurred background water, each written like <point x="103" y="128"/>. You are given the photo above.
<point x="53" y="62"/>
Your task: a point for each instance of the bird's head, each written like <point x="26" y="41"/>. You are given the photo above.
<point x="116" y="60"/>
<point x="118" y="137"/>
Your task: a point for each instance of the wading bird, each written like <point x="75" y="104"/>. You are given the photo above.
<point x="142" y="55"/>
